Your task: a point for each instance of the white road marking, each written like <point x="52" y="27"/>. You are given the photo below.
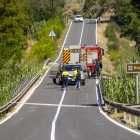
<point x="35" y="86"/>
<point x="58" y="110"/>
<point x="64" y="41"/>
<point x="42" y="104"/>
<point x="55" y="118"/>
<point x="99" y="103"/>
<point x="23" y="100"/>
<point x="101" y="111"/>
<point x="81" y="33"/>
<point x="96" y="32"/>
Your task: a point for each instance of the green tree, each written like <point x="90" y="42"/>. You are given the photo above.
<point x="15" y="19"/>
<point x="128" y="12"/>
<point x="45" y="9"/>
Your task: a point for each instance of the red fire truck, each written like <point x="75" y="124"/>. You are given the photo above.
<point x="72" y="54"/>
<point x="84" y="54"/>
<point x="90" y="54"/>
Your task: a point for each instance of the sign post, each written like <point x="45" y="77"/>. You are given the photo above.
<point x="134" y="68"/>
<point x="52" y="34"/>
<point x="137" y="87"/>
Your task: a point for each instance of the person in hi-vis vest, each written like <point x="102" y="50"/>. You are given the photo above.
<point x="75" y="75"/>
<point x="90" y="16"/>
<point x="65" y="76"/>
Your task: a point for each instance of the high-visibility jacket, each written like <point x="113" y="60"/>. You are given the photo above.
<point x="75" y="74"/>
<point x="65" y="74"/>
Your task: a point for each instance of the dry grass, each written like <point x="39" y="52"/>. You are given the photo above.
<point x="72" y="9"/>
<point x="131" y="43"/>
<point x="30" y="44"/>
<point x="108" y="68"/>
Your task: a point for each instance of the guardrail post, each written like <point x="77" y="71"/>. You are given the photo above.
<point x="124" y="115"/>
<point x="116" y="111"/>
<point x="106" y="105"/>
<point x="136" y="120"/>
<point x="130" y="118"/>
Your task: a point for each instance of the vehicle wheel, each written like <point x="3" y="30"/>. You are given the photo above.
<point x="89" y="73"/>
<point x="83" y="83"/>
<point x="54" y="80"/>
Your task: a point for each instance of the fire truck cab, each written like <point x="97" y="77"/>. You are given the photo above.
<point x="90" y="54"/>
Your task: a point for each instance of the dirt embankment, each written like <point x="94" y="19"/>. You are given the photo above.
<point x="108" y="68"/>
<point x="72" y="9"/>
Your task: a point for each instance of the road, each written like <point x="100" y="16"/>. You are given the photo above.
<point x="34" y="122"/>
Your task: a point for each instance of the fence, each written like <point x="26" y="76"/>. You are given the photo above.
<point x="20" y="87"/>
<point x="21" y="90"/>
<point x="131" y="109"/>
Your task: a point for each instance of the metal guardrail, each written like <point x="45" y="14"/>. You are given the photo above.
<point x="46" y="62"/>
<point x="19" y="92"/>
<point x="131" y="109"/>
<point x="105" y="18"/>
<point x="20" y="87"/>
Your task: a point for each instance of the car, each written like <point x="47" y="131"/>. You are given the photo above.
<point x="54" y="74"/>
<point x="70" y="69"/>
<point x="78" y="18"/>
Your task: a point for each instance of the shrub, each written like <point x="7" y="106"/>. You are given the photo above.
<point x="113" y="46"/>
<point x="43" y="49"/>
<point x="110" y="33"/>
<point x="115" y="55"/>
<point x="35" y="27"/>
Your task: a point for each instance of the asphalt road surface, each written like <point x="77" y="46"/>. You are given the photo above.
<point x="65" y="123"/>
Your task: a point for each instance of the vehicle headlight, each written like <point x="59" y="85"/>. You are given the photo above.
<point x="82" y="77"/>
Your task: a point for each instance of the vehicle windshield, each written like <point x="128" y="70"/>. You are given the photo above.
<point x="78" y="16"/>
<point x="72" y="67"/>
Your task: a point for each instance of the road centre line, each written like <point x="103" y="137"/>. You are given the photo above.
<point x="55" y="118"/>
<point x="28" y="96"/>
<point x="53" y="105"/>
<point x="81" y="33"/>
<point x="102" y="112"/>
<point x="52" y="137"/>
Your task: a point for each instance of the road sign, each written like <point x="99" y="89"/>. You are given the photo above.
<point x="133" y="68"/>
<point x="52" y="34"/>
